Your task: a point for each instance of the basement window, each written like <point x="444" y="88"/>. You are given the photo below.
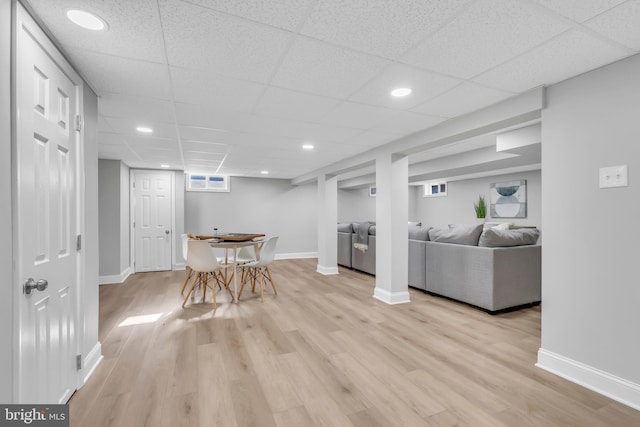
<point x="207" y="182"/>
<point x="435" y="189"/>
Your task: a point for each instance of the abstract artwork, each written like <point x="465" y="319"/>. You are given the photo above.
<point x="509" y="199"/>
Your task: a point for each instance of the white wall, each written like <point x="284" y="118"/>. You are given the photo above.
<point x="457" y="205"/>
<point x="7" y="285"/>
<point x="590" y="288"/>
<point x="179" y="261"/>
<point x="258" y="205"/>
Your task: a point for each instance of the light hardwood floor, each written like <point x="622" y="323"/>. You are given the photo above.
<point x="322" y="353"/>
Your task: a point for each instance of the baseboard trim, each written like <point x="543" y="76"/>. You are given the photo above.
<point x="297" y="255"/>
<point x="91" y="361"/>
<point x="327" y="271"/>
<point x="116" y="278"/>
<point x="179" y="266"/>
<point x="609" y="385"/>
<point x="391" y="297"/>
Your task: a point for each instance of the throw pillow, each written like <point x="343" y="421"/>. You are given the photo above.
<point x="461" y="234"/>
<point x="419" y="233"/>
<point x="505" y="238"/>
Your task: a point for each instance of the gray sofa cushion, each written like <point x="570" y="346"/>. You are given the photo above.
<point x="345" y="227"/>
<point x="503" y="238"/>
<point x="462" y="234"/>
<point x="372" y="230"/>
<point x="419" y="233"/>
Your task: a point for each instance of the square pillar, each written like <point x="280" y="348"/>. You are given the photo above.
<point x="327" y="224"/>
<point x="392" y="212"/>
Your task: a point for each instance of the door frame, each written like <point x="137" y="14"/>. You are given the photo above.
<point x="20" y="14"/>
<point x="132" y="214"/>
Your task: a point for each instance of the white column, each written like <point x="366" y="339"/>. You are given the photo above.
<point x="392" y="212"/>
<point x="327" y="224"/>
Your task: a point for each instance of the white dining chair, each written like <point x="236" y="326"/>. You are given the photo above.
<point x="189" y="272"/>
<point x="258" y="270"/>
<point x="203" y="261"/>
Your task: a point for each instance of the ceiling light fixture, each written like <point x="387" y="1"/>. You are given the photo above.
<point x="308" y="147"/>
<point x="164" y="166"/>
<point x="86" y="20"/>
<point x="264" y="172"/>
<point x="144" y="129"/>
<point x="400" y="92"/>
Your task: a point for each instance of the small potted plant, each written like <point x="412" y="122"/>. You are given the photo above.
<point x="481" y="208"/>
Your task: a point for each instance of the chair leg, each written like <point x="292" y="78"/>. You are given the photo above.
<point x="196" y="280"/>
<point x="213" y="291"/>
<point x="204" y="288"/>
<point x="273" y="285"/>
<point x="186" y="280"/>
<point x="261" y="285"/>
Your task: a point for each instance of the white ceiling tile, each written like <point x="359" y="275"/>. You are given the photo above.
<point x="358" y="116"/>
<point x="127" y="126"/>
<point x="135" y="107"/>
<point x="202" y="147"/>
<point x="621" y="24"/>
<point x="202" y="135"/>
<point x="565" y="56"/>
<point x="198" y="37"/>
<point x="385" y="27"/>
<point x="134" y="27"/>
<point x="205" y="116"/>
<point x="304" y="131"/>
<point x="125" y="76"/>
<point x="407" y="123"/>
<point x="486" y="34"/>
<point x="371" y="138"/>
<point x="579" y="10"/>
<point x="150" y="143"/>
<point x="110" y="138"/>
<point x="461" y="100"/>
<point x="424" y="85"/>
<point x="203" y="87"/>
<point x="103" y="126"/>
<point x="323" y="69"/>
<point x="285" y="14"/>
<point x="284" y="103"/>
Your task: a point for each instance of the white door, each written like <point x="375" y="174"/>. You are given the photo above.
<point x="46" y="149"/>
<point x="152" y="220"/>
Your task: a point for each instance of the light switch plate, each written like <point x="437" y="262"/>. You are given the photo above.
<point x="614" y="176"/>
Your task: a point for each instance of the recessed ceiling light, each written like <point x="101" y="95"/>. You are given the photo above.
<point x="401" y="91"/>
<point x="264" y="172"/>
<point x="144" y="129"/>
<point x="86" y="20"/>
<point x="308" y="147"/>
<point x="164" y="166"/>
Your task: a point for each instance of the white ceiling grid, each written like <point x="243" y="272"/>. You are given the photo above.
<point x="237" y="87"/>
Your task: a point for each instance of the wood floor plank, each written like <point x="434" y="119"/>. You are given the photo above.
<point x="323" y="352"/>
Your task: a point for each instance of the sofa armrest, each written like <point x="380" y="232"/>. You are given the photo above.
<point x="344" y="249"/>
<point x="417" y="268"/>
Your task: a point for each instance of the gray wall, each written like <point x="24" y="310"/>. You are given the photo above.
<point x="113" y="203"/>
<point x="6" y="247"/>
<point x="91" y="226"/>
<point x="590" y="289"/>
<point x="457" y="205"/>
<point x="270" y="206"/>
<point x="356" y="206"/>
<point x="179" y="261"/>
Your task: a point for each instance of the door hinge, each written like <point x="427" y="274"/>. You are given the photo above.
<point x="78" y="362"/>
<point x="78" y="242"/>
<point x="78" y="122"/>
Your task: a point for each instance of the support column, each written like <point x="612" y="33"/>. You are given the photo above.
<point x="392" y="212"/>
<point x="327" y="224"/>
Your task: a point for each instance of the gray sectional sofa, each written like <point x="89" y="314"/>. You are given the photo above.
<point x="495" y="270"/>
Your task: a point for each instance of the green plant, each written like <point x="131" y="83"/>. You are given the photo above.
<point x="480" y="207"/>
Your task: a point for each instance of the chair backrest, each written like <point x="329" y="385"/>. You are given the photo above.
<point x="268" y="251"/>
<point x="200" y="256"/>
<point x="246" y="252"/>
<point x="185" y="247"/>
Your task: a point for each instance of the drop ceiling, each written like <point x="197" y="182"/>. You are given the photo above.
<point x="237" y="87"/>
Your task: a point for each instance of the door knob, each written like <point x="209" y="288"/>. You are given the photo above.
<point x="31" y="284"/>
<point x="167" y="231"/>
